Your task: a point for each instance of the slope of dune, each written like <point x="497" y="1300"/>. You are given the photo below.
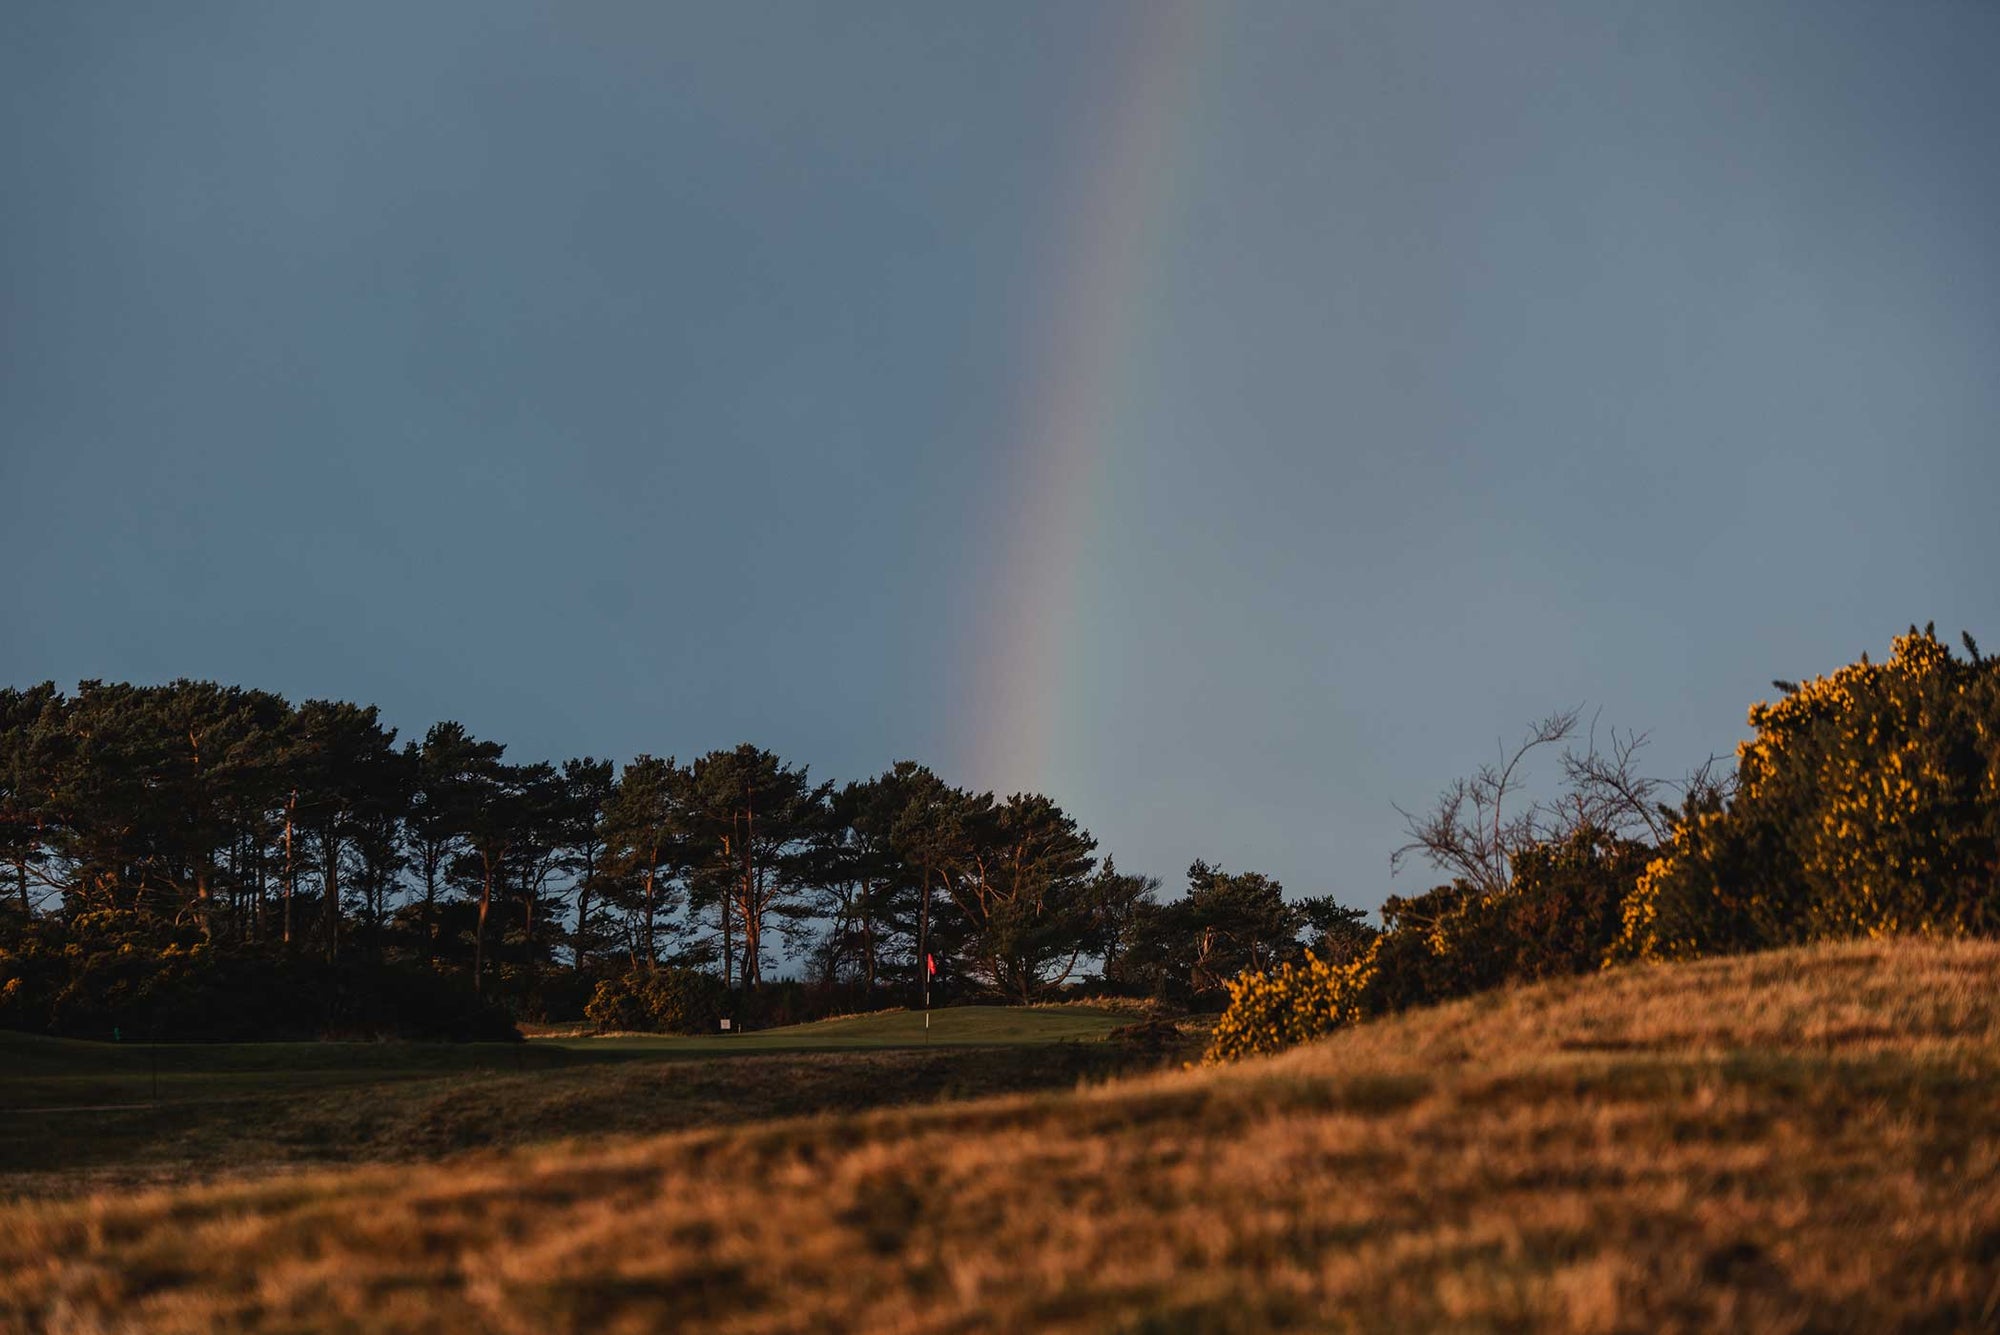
<point x="1801" y="1140"/>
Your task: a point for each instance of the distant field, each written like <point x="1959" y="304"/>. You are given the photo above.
<point x="82" y="1113"/>
<point x="974" y="1026"/>
<point x="1807" y="1140"/>
<point x="49" y="1072"/>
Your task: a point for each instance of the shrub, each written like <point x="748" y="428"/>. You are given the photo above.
<point x="1558" y="917"/>
<point x="664" y="1001"/>
<point x="618" y="1006"/>
<point x="1293" y="1004"/>
<point x="1867" y="804"/>
<point x="541" y="994"/>
<point x="109" y="973"/>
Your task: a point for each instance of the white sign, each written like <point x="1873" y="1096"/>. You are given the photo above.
<point x="725" y="1024"/>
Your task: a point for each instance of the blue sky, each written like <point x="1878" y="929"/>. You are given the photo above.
<point x="620" y="377"/>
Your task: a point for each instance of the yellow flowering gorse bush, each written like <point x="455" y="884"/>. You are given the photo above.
<point x="1867" y="804"/>
<point x="1292" y="1004"/>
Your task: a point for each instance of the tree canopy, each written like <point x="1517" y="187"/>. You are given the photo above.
<point x="224" y="821"/>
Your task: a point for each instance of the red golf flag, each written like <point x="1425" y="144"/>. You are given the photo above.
<point x="930" y="964"/>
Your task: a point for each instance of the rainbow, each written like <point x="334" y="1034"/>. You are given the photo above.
<point x="1076" y="393"/>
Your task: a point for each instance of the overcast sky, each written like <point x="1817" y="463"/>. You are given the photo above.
<point x="1231" y="420"/>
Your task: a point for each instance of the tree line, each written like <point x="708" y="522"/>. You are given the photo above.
<point x="218" y="819"/>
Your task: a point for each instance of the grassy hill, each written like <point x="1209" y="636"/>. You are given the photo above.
<point x="1799" y="1141"/>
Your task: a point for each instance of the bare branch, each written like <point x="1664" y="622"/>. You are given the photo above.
<point x="1468" y="832"/>
<point x="1477" y="827"/>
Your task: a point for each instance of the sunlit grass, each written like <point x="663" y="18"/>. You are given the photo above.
<point x="1808" y="1140"/>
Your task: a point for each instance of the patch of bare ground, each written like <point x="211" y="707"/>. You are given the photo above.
<point x="1805" y="1141"/>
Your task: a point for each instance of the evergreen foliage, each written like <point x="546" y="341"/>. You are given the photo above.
<point x="1226" y="924"/>
<point x="173" y="849"/>
<point x="118" y="974"/>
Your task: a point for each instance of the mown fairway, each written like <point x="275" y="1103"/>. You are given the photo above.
<point x="79" y="1114"/>
<point x="959" y="1026"/>
<point x="38" y="1072"/>
<point x="1799" y="1141"/>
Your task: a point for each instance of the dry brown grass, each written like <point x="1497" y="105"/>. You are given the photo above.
<point x="1794" y="1142"/>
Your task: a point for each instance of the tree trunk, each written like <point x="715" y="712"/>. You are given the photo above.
<point x="330" y="884"/>
<point x="239" y="888"/>
<point x="727" y="943"/>
<point x="753" y="938"/>
<point x="583" y="908"/>
<point x="479" y="932"/>
<point x="752" y="915"/>
<point x="432" y="857"/>
<point x="529" y="894"/>
<point x="924" y="938"/>
<point x="652" y="942"/>
<point x="531" y="891"/>
<point x="868" y="935"/>
<point x="291" y="867"/>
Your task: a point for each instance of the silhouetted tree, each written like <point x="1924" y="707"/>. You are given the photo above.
<point x="344" y="763"/>
<point x="30" y="733"/>
<point x="444" y="791"/>
<point x="645" y="845"/>
<point x="588" y="786"/>
<point x="1021" y="881"/>
<point x="754" y="817"/>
